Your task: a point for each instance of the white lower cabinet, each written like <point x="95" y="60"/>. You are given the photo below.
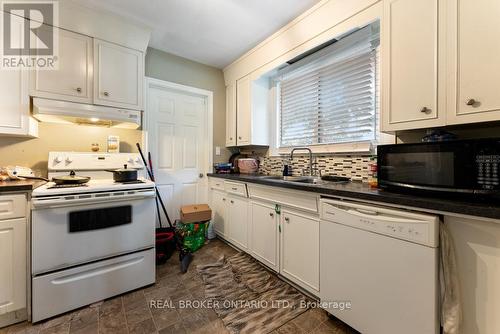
<point x="299" y="249"/>
<point x="237" y="218"/>
<point x="264" y="233"/>
<point x="283" y="235"/>
<point x="218" y="211"/>
<point x="12" y="265"/>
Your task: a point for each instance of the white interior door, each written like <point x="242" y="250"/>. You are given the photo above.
<point x="179" y="139"/>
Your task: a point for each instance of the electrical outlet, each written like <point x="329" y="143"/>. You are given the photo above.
<point x="217" y="150"/>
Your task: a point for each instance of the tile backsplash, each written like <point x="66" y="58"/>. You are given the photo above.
<point x="356" y="167"/>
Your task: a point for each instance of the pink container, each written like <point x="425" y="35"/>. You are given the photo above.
<point x="248" y="165"/>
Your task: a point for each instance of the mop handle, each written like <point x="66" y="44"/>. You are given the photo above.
<point x="157" y="192"/>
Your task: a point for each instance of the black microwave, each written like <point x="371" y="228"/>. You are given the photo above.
<point x="461" y="166"/>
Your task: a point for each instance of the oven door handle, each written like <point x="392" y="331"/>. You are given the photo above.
<point x="84" y="199"/>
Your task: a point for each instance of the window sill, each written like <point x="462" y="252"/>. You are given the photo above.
<point x="344" y="148"/>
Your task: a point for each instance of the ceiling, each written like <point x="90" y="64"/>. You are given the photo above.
<point x="212" y="32"/>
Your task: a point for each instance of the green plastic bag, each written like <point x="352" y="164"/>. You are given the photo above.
<point x="192" y="235"/>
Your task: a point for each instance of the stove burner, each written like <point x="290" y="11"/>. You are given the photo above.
<point x="130" y="182"/>
<point x="75" y="185"/>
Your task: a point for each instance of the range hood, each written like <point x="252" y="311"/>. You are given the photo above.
<point x="53" y="111"/>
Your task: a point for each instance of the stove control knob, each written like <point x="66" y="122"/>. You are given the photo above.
<point x="58" y="159"/>
<point x="69" y="160"/>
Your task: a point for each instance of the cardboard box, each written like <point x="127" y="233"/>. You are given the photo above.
<point x="195" y="213"/>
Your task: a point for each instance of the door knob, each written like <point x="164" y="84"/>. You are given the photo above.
<point x="425" y="110"/>
<point x="471" y="102"/>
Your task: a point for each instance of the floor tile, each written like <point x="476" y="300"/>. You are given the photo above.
<point x="111" y="306"/>
<point x="58" y="329"/>
<point x="113" y="324"/>
<point x="176" y="328"/>
<point x="309" y="320"/>
<point x="137" y="314"/>
<point x="165" y="317"/>
<point x="143" y="327"/>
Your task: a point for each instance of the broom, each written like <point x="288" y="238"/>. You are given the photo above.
<point x="185" y="256"/>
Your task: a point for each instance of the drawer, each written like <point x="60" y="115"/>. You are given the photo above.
<point x="216" y="183"/>
<point x="12" y="206"/>
<point x="301" y="200"/>
<point x="235" y="188"/>
<point x="76" y="287"/>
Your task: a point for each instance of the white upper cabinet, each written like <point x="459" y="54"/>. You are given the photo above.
<point x="474" y="53"/>
<point x="15" y="117"/>
<point x="231" y="115"/>
<point x="72" y="81"/>
<point x="252" y="112"/>
<point x="118" y="75"/>
<point x="244" y="111"/>
<point x="411" y="59"/>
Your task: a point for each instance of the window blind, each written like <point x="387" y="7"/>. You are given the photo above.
<point x="330" y="96"/>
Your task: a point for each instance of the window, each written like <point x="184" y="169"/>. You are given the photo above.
<point x="330" y="96"/>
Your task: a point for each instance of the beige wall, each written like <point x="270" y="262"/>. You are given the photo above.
<point x="33" y="153"/>
<point x="168" y="67"/>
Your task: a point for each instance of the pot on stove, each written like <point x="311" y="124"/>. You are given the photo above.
<point x="124" y="174"/>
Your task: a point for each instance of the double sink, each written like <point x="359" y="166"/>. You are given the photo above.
<point x="309" y="179"/>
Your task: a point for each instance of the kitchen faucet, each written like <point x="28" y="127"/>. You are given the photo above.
<point x="310" y="157"/>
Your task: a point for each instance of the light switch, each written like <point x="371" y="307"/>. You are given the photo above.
<point x="217" y="150"/>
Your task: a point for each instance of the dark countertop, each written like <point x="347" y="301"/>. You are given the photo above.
<point x="20" y="185"/>
<point x="362" y="191"/>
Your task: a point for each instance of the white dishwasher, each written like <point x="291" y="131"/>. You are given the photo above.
<point x="382" y="261"/>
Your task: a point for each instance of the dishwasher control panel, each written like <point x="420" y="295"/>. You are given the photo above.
<point x="406" y="225"/>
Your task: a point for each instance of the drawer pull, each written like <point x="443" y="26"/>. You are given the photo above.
<point x="471" y="102"/>
<point x="425" y="110"/>
<point x="235" y="189"/>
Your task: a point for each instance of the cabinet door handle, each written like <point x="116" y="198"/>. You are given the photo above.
<point x="79" y="90"/>
<point x="287" y="219"/>
<point x="105" y="93"/>
<point x="232" y="202"/>
<point x="271" y="214"/>
<point x="230" y="138"/>
<point x="425" y="110"/>
<point x="471" y="102"/>
<point x="239" y="137"/>
<point x="224" y="199"/>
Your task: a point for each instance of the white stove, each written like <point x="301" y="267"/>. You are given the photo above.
<point x="93" y="241"/>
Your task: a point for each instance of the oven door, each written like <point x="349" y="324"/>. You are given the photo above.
<point x="77" y="229"/>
